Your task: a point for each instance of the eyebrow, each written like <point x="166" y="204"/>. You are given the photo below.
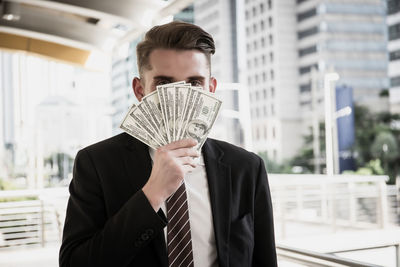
<point x="163" y="77"/>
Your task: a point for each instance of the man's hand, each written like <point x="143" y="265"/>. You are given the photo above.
<point x="171" y="163"/>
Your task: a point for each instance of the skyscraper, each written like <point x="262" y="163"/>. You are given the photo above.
<point x="393" y="20"/>
<point x="283" y="41"/>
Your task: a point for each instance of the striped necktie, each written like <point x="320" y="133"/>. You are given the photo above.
<point x="178" y="230"/>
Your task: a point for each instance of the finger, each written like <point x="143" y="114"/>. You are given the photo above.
<point x="185" y="152"/>
<point x="188" y="168"/>
<point x="188" y="142"/>
<point x="188" y="161"/>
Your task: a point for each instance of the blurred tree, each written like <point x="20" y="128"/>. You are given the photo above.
<point x="61" y="163"/>
<point x="372" y="132"/>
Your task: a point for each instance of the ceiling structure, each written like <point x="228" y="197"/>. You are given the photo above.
<point x="71" y="30"/>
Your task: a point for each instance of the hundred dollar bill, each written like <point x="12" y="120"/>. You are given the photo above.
<point x="163" y="100"/>
<point x="187" y="110"/>
<point x="202" y="116"/>
<point x="169" y="97"/>
<point x="143" y="122"/>
<point x="152" y="104"/>
<point x="149" y="118"/>
<point x="130" y="126"/>
<point x="181" y="95"/>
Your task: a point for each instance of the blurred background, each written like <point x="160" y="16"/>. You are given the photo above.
<point x="312" y="86"/>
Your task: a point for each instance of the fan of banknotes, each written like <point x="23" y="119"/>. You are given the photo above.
<point x="173" y="112"/>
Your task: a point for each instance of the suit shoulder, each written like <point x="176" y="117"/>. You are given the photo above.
<point x="235" y="153"/>
<point x="108" y="144"/>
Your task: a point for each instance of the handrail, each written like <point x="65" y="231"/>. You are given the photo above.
<point x="328" y="258"/>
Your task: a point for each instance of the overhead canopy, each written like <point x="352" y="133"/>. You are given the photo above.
<point x="70" y="30"/>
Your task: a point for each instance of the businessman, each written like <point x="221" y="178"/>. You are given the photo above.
<point x="134" y="206"/>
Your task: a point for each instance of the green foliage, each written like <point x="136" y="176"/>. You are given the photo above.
<point x="273" y="167"/>
<point x="373" y="167"/>
<point x="61" y="162"/>
<point x="376" y="144"/>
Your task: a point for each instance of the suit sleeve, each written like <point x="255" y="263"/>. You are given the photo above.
<point x="264" y="240"/>
<point x="91" y="237"/>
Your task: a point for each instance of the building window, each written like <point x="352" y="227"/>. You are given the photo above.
<point x="395" y="55"/>
<point x="269" y="4"/>
<point x="305" y="87"/>
<point x="257" y="133"/>
<point x="257" y="95"/>
<point x="300" y="1"/>
<point x="270" y="22"/>
<point x="254" y="11"/>
<point x="257" y="113"/>
<point x="272" y="109"/>
<point x="262" y="7"/>
<point x="395" y="81"/>
<point x="306" y="14"/>
<point x="394" y="32"/>
<point x="307" y="32"/>
<point x="249" y="64"/>
<point x="256" y="81"/>
<point x="307" y="69"/>
<point x="271" y="57"/>
<point x="308" y="50"/>
<point x="254" y="28"/>
<point x="265" y="129"/>
<point x="263" y="58"/>
<point x="262" y="25"/>
<point x="255" y="62"/>
<point x="393" y="6"/>
<point x="272" y="92"/>
<point x="272" y="74"/>
<point x="271" y="39"/>
<point x="273" y="133"/>
<point x="247" y="14"/>
<point x="262" y="42"/>
<point x="248" y="47"/>
<point x="265" y="93"/>
<point x="255" y="45"/>
<point x="264" y="75"/>
<point x="247" y="31"/>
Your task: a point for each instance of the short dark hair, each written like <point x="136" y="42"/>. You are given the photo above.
<point x="174" y="35"/>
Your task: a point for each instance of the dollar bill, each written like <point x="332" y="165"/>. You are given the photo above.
<point x="181" y="95"/>
<point x="143" y="122"/>
<point x="202" y="116"/>
<point x="131" y="126"/>
<point x="153" y="105"/>
<point x="173" y="112"/>
<point x="163" y="103"/>
<point x="169" y="97"/>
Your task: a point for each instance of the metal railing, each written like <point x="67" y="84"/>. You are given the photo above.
<point x="31" y="217"/>
<point x="310" y="258"/>
<point x="358" y="202"/>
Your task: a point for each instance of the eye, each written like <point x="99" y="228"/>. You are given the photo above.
<point x="196" y="83"/>
<point x="162" y="82"/>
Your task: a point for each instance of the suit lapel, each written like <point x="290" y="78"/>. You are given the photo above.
<point x="138" y="166"/>
<point x="219" y="183"/>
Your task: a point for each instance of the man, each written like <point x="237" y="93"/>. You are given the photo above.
<point x="120" y="191"/>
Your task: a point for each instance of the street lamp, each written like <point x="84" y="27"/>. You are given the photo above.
<point x="330" y="102"/>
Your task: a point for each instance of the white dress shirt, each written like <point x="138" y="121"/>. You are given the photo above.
<point x="200" y="216"/>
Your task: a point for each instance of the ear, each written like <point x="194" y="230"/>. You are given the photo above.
<point x="138" y="88"/>
<point x="213" y="85"/>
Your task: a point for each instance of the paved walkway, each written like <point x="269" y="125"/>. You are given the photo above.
<point x="30" y="256"/>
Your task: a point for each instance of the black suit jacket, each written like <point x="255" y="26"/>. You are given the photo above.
<point x="109" y="221"/>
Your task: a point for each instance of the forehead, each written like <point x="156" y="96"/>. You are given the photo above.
<point x="164" y="61"/>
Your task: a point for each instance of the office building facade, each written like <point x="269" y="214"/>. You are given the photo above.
<point x="393" y="21"/>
